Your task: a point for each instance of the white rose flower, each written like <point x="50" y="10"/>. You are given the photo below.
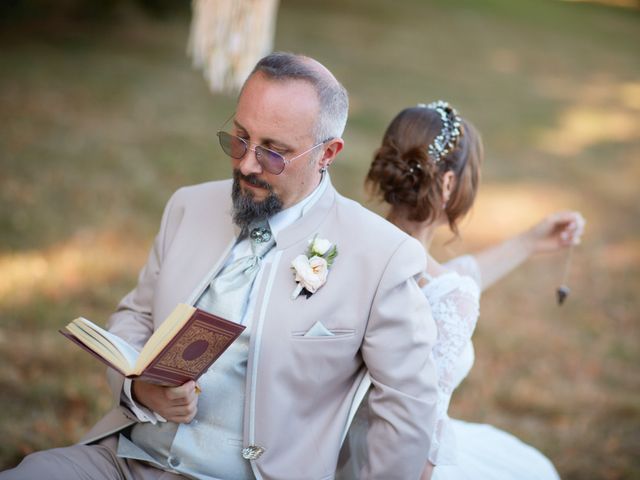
<point x="320" y="246"/>
<point x="310" y="274"/>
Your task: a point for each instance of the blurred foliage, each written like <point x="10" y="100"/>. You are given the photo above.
<point x="103" y="118"/>
<point x="24" y="11"/>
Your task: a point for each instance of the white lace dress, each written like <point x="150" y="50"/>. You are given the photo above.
<point x="462" y="450"/>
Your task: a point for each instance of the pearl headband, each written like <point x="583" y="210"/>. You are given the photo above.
<point x="446" y="140"/>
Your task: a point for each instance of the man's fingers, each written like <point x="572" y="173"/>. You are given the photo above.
<point x="181" y="414"/>
<point x="183" y="391"/>
<point x="181" y="401"/>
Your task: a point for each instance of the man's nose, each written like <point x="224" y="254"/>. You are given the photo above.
<point x="249" y="163"/>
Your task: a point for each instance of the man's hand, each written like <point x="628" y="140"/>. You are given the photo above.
<point x="427" y="472"/>
<point x="176" y="404"/>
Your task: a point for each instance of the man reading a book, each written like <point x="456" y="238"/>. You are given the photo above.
<point x="326" y="292"/>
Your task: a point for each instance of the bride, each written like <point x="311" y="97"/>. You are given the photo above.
<point x="428" y="171"/>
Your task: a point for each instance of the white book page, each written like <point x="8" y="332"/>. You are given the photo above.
<point x="127" y="352"/>
<point x="96" y="342"/>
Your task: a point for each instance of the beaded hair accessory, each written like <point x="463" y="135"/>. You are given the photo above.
<point x="446" y="140"/>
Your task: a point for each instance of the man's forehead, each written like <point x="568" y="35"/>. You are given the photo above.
<point x="266" y="103"/>
<point x="279" y="87"/>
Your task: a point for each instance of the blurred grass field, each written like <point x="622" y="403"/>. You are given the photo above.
<point x="102" y="121"/>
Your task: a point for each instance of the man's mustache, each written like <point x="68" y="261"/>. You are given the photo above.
<point x="252" y="179"/>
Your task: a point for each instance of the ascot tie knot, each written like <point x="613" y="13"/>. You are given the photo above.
<point x="228" y="292"/>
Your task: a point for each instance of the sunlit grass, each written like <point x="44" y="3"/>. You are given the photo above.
<point x="614" y="3"/>
<point x="602" y="112"/>
<point x="64" y="270"/>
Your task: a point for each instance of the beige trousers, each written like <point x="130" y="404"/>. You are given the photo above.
<point x="85" y="462"/>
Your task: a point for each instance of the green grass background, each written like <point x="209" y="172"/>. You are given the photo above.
<point x="102" y="119"/>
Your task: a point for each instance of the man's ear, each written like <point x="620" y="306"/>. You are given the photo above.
<point x="330" y="152"/>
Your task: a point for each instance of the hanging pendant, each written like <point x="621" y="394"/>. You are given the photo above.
<point x="562" y="292"/>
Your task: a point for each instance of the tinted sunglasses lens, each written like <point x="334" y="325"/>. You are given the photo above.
<point x="232" y="145"/>
<point x="271" y="161"/>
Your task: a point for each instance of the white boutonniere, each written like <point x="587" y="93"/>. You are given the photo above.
<point x="310" y="270"/>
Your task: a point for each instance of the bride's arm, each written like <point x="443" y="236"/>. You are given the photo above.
<point x="454" y="302"/>
<point x="556" y="231"/>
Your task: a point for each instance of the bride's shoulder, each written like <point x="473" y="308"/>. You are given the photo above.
<point x="460" y="274"/>
<point x="466" y="266"/>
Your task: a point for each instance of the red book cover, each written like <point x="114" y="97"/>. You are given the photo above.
<point x="187" y="355"/>
<point x="191" y="352"/>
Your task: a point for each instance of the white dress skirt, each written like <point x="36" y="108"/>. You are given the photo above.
<point x="487" y="453"/>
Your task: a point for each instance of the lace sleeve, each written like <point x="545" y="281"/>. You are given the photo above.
<point x="454" y="302"/>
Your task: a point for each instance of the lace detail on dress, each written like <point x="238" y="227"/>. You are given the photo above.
<point x="454" y="299"/>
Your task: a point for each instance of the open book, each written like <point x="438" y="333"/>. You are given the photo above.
<point x="181" y="349"/>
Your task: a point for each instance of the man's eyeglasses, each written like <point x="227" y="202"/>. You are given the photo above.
<point x="271" y="161"/>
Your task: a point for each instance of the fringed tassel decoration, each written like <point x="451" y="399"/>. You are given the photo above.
<point x="228" y="37"/>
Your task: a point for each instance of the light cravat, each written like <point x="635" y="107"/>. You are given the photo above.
<point x="229" y="290"/>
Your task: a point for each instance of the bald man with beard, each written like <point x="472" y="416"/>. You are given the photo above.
<point x="331" y="308"/>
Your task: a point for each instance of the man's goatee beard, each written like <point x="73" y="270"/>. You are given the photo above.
<point x="245" y="209"/>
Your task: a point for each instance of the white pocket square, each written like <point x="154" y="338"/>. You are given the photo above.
<point x="318" y="330"/>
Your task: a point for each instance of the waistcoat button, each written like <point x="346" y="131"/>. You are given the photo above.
<point x="252" y="452"/>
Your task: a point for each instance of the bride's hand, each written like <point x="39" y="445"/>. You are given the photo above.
<point x="556" y="231"/>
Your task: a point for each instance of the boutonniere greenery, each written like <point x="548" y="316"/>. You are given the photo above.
<point x="310" y="270"/>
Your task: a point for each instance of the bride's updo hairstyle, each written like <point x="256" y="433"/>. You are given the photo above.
<point x="420" y="145"/>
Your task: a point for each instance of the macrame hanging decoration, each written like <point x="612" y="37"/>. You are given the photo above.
<point x="228" y="37"/>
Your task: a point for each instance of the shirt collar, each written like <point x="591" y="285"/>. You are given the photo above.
<point x="285" y="218"/>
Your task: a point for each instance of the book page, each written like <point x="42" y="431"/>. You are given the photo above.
<point x="161" y="337"/>
<point x="120" y="352"/>
<point x="96" y="344"/>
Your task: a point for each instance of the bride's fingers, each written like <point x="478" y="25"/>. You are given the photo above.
<point x="577" y="228"/>
<point x="569" y="226"/>
<point x="580" y="224"/>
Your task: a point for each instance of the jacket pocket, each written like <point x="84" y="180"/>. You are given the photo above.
<point x="336" y="334"/>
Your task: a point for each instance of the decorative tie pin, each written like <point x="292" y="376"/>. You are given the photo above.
<point x="260" y="234"/>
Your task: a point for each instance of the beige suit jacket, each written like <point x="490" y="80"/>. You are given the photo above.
<point x="301" y="390"/>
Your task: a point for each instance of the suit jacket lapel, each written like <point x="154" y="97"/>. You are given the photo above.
<point x="214" y="242"/>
